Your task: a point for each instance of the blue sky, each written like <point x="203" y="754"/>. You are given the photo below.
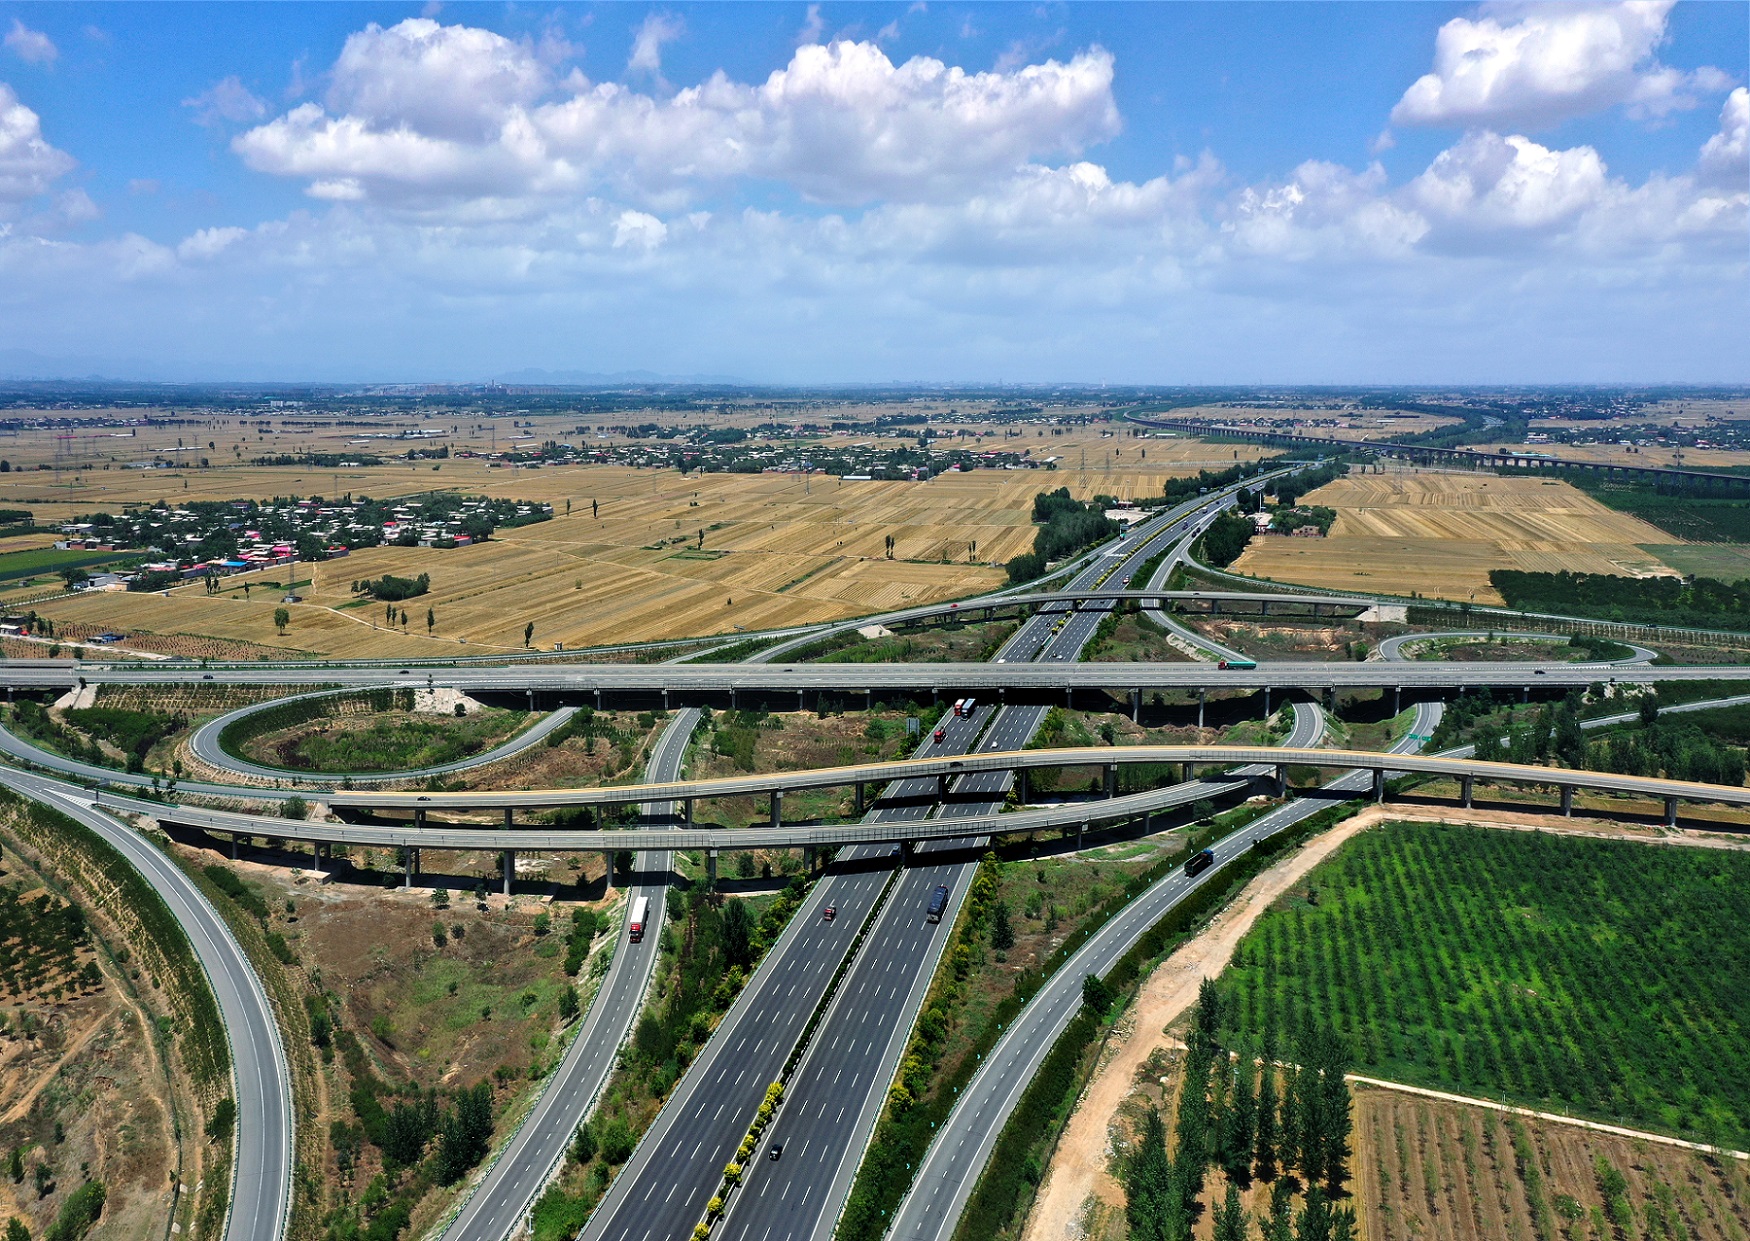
<point x="1191" y="193"/>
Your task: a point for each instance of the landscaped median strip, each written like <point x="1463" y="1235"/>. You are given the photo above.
<point x="768" y="1109"/>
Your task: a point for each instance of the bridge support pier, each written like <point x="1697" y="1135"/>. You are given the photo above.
<point x="1568" y="800"/>
<point x="665" y="698"/>
<point x="777" y="807"/>
<point x="598" y="700"/>
<point x="509" y="819"/>
<point x="687" y="810"/>
<point x="1081" y="828"/>
<point x="234" y="840"/>
<point x="1022" y="783"/>
<point x="1525" y="693"/>
<point x="509" y="869"/>
<point x="1111" y="779"/>
<point x="1136" y="706"/>
<point x="1281" y="780"/>
<point x="860" y="809"/>
<point x="799" y="701"/>
<point x="1379" y="784"/>
<point x="1068" y="697"/>
<point x="1148" y="822"/>
<point x="1670" y="812"/>
<point x="1201" y="696"/>
<point x="808" y="859"/>
<point x="1266" y="702"/>
<point x="531" y="694"/>
<point x="1397" y="699"/>
<point x="942" y="788"/>
<point x="1465" y="785"/>
<point x="410" y="859"/>
<point x="710" y="870"/>
<point x="316" y="856"/>
<point x="608" y="870"/>
<point x="868" y="700"/>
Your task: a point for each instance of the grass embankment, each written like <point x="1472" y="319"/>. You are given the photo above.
<point x="708" y="950"/>
<point x="1129" y="636"/>
<point x="1584" y="975"/>
<point x="978" y="990"/>
<point x="960" y="642"/>
<point x="385" y="741"/>
<point x="190" y="1033"/>
<point x="737" y="742"/>
<point x="376" y="730"/>
<point x="413" y="1027"/>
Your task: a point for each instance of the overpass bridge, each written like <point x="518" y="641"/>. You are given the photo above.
<point x="1072" y="816"/>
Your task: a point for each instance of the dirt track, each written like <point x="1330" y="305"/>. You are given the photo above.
<point x="1078" y="1169"/>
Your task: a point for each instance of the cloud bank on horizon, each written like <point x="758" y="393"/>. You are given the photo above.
<point x="444" y="199"/>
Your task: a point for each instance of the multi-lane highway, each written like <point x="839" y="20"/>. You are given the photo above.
<point x="685" y="1150"/>
<point x="262" y="1168"/>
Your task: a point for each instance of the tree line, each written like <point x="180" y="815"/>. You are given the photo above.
<point x="1700" y="603"/>
<point x="1066" y="526"/>
<point x="1243" y="1113"/>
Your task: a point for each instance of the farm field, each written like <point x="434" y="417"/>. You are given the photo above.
<point x="1729" y="562"/>
<point x="1435" y="1170"/>
<point x="1356" y="423"/>
<point x="1650" y="454"/>
<point x="1598" y="977"/>
<point x="777" y="550"/>
<point x="1438" y="535"/>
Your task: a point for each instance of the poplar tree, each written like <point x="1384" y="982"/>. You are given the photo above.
<point x="1265" y="1129"/>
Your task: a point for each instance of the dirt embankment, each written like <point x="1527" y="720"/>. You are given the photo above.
<point x="1079" y="1168"/>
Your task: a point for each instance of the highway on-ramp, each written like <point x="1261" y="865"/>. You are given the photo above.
<point x="261" y="1181"/>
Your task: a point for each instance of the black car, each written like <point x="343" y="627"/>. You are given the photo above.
<point x="777" y="1149"/>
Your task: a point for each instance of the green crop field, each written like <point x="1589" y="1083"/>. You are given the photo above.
<point x="1609" y="978"/>
<point x="1729" y="562"/>
<point x="14" y="565"/>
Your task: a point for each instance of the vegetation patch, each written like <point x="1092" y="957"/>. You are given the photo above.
<point x="384" y="741"/>
<point x="1598" y="976"/>
<point x="1702" y="603"/>
<point x="1067" y="525"/>
<point x="1697" y="519"/>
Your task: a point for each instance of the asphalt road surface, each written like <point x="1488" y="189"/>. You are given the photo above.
<point x="662" y="1190"/>
<point x="261" y="1187"/>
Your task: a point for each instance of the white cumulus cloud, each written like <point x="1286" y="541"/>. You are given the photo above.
<point x="209" y="243"/>
<point x="655" y="30"/>
<point x="1723" y="156"/>
<point x="1534" y="66"/>
<point x="28" y="164"/>
<point x="1511" y="183"/>
<point x="226" y="100"/>
<point x="425" y="112"/>
<point x="33" y="47"/>
<point x="638" y="230"/>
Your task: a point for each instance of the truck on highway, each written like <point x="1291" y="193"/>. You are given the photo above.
<point x="640" y="915"/>
<point x="938" y="902"/>
<point x="1237" y="664"/>
<point x="1199" y="862"/>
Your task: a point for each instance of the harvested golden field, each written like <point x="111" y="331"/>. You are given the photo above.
<point x="778" y="549"/>
<point x="1439" y="535"/>
<point x="1649" y="455"/>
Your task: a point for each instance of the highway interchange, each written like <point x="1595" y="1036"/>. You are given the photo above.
<point x="836" y="1090"/>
